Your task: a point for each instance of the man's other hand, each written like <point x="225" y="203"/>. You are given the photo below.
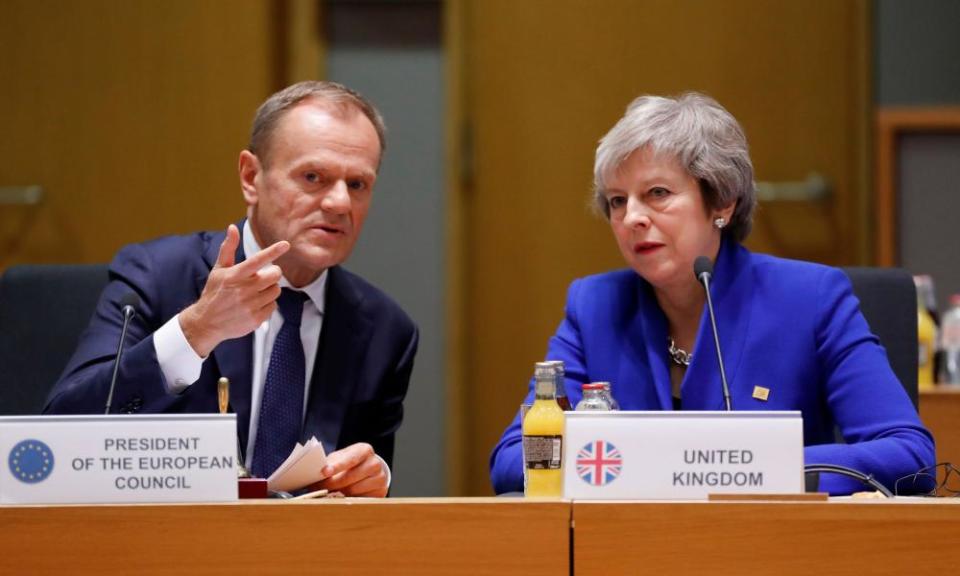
<point x="355" y="471"/>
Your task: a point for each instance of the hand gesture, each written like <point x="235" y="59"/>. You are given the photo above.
<point x="236" y="298"/>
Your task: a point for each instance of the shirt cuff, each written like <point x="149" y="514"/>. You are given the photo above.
<point x="178" y="361"/>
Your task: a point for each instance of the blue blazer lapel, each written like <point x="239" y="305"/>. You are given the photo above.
<point x="234" y="358"/>
<point x="340" y="356"/>
<point x="655" y="341"/>
<point x="643" y="364"/>
<point x="732" y="293"/>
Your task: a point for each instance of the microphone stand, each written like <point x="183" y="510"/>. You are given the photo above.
<point x="128" y="312"/>
<point x="703" y="275"/>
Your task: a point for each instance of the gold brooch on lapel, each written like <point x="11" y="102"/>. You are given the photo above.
<point x="761" y="393"/>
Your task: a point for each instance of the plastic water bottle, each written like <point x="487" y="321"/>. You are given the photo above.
<point x="950" y="343"/>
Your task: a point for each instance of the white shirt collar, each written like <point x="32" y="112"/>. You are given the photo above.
<point x="315" y="290"/>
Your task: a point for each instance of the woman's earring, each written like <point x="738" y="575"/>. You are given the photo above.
<point x="719" y="223"/>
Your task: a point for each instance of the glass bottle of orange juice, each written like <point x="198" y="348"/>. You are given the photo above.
<point x="543" y="437"/>
<point x="926" y="334"/>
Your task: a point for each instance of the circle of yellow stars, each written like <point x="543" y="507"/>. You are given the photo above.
<point x="22" y="449"/>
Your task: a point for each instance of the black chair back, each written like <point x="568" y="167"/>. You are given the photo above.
<point x="888" y="300"/>
<point x="43" y="311"/>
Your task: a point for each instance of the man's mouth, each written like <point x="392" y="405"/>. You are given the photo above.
<point x="328" y="229"/>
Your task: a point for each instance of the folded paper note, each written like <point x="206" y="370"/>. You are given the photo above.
<point x="301" y="468"/>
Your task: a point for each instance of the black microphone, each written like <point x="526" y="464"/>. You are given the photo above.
<point x="128" y="307"/>
<point x="703" y="270"/>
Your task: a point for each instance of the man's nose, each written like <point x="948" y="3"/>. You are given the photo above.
<point x="337" y="198"/>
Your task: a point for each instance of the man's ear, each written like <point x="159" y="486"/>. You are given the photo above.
<point x="250" y="170"/>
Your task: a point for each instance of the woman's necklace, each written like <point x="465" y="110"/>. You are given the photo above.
<point x="679" y="356"/>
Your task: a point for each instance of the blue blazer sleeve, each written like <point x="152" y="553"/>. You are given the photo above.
<point x="882" y="433"/>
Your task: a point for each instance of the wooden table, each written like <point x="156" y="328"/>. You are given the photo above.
<point x="940" y="412"/>
<point x="484" y="536"/>
<point x="397" y="536"/>
<point x="780" y="538"/>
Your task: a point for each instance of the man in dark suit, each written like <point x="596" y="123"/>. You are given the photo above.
<point x="310" y="349"/>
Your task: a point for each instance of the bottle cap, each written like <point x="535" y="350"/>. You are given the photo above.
<point x="557" y="365"/>
<point x="543" y="370"/>
<point x="592" y="386"/>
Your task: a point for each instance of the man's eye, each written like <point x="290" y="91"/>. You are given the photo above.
<point x="311" y="177"/>
<point x="357" y="184"/>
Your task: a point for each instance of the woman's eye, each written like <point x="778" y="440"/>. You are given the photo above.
<point x="616" y="202"/>
<point x="658" y="192"/>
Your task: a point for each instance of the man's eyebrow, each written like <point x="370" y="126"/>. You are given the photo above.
<point x="307" y="163"/>
<point x="364" y="173"/>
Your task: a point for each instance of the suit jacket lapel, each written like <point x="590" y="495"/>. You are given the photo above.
<point x="732" y="292"/>
<point x="340" y="354"/>
<point x="654" y="325"/>
<point x="643" y="364"/>
<point x="234" y="358"/>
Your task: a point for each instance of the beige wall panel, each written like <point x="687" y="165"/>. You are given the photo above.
<point x="130" y="114"/>
<point x="545" y="79"/>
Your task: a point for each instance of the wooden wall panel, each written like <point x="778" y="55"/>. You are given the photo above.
<point x="545" y="79"/>
<point x="130" y="115"/>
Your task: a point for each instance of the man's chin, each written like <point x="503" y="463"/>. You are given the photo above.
<point x="301" y="265"/>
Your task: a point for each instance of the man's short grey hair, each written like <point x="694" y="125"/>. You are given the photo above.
<point x="704" y="138"/>
<point x="338" y="96"/>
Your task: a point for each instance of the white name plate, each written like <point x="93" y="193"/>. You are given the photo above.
<point x="681" y="455"/>
<point x="118" y="458"/>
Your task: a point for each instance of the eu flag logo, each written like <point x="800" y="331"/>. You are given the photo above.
<point x="31" y="461"/>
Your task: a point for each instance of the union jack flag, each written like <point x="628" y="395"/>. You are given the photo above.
<point x="599" y="463"/>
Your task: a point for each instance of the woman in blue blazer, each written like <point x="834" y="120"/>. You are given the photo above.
<point x="674" y="179"/>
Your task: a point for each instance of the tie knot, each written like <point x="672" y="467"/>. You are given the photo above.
<point x="290" y="304"/>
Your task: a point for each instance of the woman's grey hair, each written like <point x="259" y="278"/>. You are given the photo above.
<point x="697" y="131"/>
<point x="338" y="96"/>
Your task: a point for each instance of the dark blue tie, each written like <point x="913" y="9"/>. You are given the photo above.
<point x="281" y="409"/>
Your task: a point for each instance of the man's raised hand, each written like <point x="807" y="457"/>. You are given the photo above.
<point x="236" y="298"/>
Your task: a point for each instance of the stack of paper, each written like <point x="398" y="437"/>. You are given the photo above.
<point x="300" y="469"/>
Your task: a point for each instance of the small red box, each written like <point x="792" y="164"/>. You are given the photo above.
<point x="252" y="488"/>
